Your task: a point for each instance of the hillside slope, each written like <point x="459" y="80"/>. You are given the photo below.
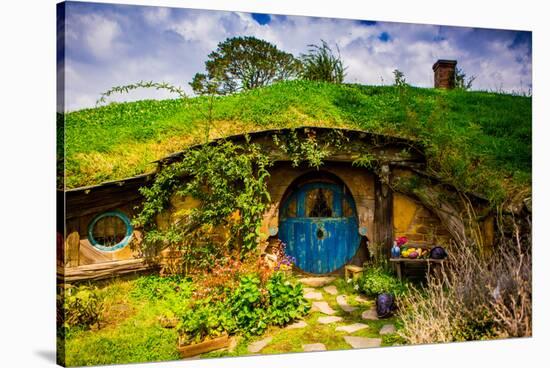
<point x="480" y="141"/>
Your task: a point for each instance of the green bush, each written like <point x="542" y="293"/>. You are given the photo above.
<point x="248" y="306"/>
<point x="286" y="300"/>
<point x="376" y="281"/>
<point x="81" y="307"/>
<point x="205" y="319"/>
<point x="249" y="309"/>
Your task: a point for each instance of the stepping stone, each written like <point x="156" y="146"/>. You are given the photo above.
<point x="317" y="281"/>
<point x="332" y="290"/>
<point x="352" y="328"/>
<point x="309" y="290"/>
<point x="370" y="314"/>
<point x="387" y="330"/>
<point x="314" y="295"/>
<point x="327" y="320"/>
<point x="299" y="324"/>
<point x="361" y="299"/>
<point x="255" y="347"/>
<point x="341" y="300"/>
<point x="314" y="347"/>
<point x="322" y="307"/>
<point x="357" y="342"/>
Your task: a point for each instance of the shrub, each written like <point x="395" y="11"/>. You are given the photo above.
<point x="376" y="281"/>
<point x="286" y="300"/>
<point x="80" y="307"/>
<point x="248" y="306"/>
<point x="205" y="320"/>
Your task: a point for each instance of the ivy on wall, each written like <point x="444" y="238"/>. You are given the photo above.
<point x="230" y="182"/>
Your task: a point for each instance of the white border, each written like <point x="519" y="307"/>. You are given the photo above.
<point x="27" y="144"/>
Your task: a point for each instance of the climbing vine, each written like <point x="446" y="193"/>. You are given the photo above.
<point x="230" y="182"/>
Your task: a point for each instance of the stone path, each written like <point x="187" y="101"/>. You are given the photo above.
<point x="313" y="295"/>
<point x="326" y="299"/>
<point x="331" y="289"/>
<point x="255" y="347"/>
<point x="322" y="307"/>
<point x="295" y="325"/>
<point x="342" y="302"/>
<point x="370" y="315"/>
<point x="387" y="330"/>
<point x="352" y="328"/>
<point x="327" y="320"/>
<point x="317" y="281"/>
<point x="363" y="342"/>
<point x="314" y="347"/>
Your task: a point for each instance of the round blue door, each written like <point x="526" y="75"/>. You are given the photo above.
<point x="318" y="224"/>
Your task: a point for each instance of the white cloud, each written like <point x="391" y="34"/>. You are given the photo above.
<point x="115" y="47"/>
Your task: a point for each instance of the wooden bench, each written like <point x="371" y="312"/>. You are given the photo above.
<point x="399" y="264"/>
<point x="354" y="271"/>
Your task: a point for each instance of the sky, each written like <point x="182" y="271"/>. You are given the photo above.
<point x="107" y="45"/>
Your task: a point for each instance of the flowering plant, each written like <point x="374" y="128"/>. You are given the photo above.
<point x="284" y="261"/>
<point x="401" y="241"/>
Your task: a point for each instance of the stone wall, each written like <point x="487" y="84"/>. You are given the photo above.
<point x="414" y="221"/>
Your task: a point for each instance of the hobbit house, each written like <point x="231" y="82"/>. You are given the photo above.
<point x="368" y="190"/>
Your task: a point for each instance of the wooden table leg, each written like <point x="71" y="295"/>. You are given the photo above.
<point x="398" y="268"/>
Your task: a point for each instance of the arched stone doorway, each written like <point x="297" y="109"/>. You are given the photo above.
<point x="318" y="223"/>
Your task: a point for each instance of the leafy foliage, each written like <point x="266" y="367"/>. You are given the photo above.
<point x="244" y="63"/>
<point x="205" y="320"/>
<point x="249" y="309"/>
<point x="462" y="81"/>
<point x="79" y="307"/>
<point x="228" y="180"/>
<point x="375" y="281"/>
<point x="286" y="300"/>
<point x="320" y="64"/>
<point x="399" y="78"/>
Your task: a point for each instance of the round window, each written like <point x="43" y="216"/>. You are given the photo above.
<point x="110" y="231"/>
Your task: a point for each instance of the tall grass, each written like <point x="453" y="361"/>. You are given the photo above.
<point x="477" y="297"/>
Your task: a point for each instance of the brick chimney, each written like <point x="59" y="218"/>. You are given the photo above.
<point x="444" y="74"/>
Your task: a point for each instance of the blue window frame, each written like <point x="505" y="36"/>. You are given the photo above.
<point x="110" y="231"/>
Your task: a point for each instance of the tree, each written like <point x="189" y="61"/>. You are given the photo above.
<point x="320" y="64"/>
<point x="462" y="81"/>
<point x="243" y="63"/>
<point x="399" y="78"/>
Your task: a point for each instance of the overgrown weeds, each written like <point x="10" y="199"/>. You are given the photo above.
<point x="480" y="295"/>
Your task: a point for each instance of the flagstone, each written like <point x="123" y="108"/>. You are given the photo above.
<point x="312" y="295"/>
<point x="331" y="289"/>
<point x="330" y="319"/>
<point x="322" y="307"/>
<point x="387" y="330"/>
<point x="299" y="324"/>
<point x="342" y="302"/>
<point x="314" y="347"/>
<point x="370" y="314"/>
<point x="255" y="347"/>
<point x="317" y="281"/>
<point x="352" y="328"/>
<point x="357" y="342"/>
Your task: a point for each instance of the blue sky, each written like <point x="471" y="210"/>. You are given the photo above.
<point x="108" y="45"/>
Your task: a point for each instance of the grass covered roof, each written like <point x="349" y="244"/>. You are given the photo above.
<point x="479" y="141"/>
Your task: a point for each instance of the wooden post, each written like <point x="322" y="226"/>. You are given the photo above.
<point x="72" y="249"/>
<point x="383" y="212"/>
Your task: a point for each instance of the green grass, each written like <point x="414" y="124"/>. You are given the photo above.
<point x="470" y="137"/>
<point x="131" y="331"/>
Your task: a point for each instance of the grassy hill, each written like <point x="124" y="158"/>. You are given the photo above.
<point x="480" y="141"/>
